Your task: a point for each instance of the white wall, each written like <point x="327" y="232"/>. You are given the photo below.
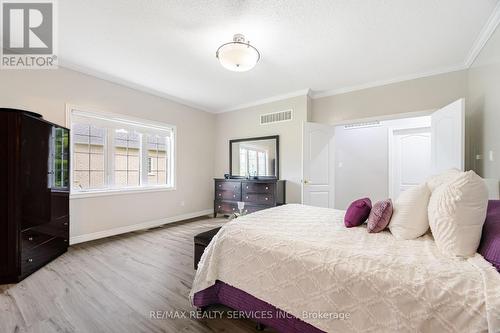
<point x="245" y="123"/>
<point x="361" y="164"/>
<point x="47" y="92"/>
<point x="484" y="109"/>
<point x="428" y="93"/>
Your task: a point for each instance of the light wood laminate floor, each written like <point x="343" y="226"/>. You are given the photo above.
<point x="112" y="284"/>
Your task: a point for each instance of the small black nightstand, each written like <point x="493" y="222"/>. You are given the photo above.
<point x="201" y="241"/>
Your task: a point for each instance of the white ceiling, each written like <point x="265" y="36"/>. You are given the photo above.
<point x="168" y="46"/>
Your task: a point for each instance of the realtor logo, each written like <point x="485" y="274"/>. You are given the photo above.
<point x="28" y="35"/>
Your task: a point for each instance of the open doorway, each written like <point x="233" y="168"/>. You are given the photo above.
<point x="379" y="159"/>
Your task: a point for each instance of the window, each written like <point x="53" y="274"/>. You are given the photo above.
<point x="157" y="158"/>
<point x="243" y="162"/>
<point x="127" y="151"/>
<point x="88" y="156"/>
<point x="253" y="161"/>
<point x="116" y="153"/>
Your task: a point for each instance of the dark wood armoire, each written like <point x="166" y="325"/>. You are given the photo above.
<point x="34" y="193"/>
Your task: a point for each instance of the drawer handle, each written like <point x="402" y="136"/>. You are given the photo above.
<point x="30" y="239"/>
<point x="247" y="196"/>
<point x="65" y="223"/>
<point x="220" y="194"/>
<point x="30" y="260"/>
<point x="247" y="187"/>
<point x="234" y="208"/>
<point x="234" y="195"/>
<point x="267" y="188"/>
<point x="219" y="207"/>
<point x="220" y="185"/>
<point x="65" y="241"/>
<point x="267" y="199"/>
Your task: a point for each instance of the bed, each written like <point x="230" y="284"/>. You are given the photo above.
<point x="311" y="274"/>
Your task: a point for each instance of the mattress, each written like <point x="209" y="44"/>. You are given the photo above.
<point x="303" y="261"/>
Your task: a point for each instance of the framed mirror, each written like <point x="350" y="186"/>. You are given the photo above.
<point x="254" y="157"/>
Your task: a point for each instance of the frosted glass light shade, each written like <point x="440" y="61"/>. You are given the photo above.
<point x="238" y="56"/>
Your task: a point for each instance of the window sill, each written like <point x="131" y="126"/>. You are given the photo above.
<point x="122" y="191"/>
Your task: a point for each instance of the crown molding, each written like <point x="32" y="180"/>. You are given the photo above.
<point x="483" y="37"/>
<point x="380" y="83"/>
<point x="129" y="84"/>
<point x="303" y="92"/>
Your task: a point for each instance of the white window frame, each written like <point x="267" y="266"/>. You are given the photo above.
<point x="77" y="194"/>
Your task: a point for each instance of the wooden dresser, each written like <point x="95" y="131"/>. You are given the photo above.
<point x="256" y="194"/>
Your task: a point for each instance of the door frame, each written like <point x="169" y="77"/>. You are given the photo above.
<point x="394" y="116"/>
<point x="390" y="154"/>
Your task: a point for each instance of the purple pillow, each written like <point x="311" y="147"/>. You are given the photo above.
<point x="380" y="216"/>
<point x="358" y="212"/>
<point x="489" y="247"/>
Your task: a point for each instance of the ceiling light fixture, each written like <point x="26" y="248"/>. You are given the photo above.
<point x="238" y="55"/>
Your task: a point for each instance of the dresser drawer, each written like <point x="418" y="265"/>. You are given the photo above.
<point x="226" y="207"/>
<point x="31" y="238"/>
<point x="264" y="188"/>
<point x="253" y="208"/>
<point x="227" y="186"/>
<point x="257" y="194"/>
<point x="34" y="258"/>
<point x="258" y="198"/>
<point x="227" y="195"/>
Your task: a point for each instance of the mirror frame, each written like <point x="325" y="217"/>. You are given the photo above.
<point x="275" y="137"/>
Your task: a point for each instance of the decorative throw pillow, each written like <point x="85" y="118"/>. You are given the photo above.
<point x="457" y="211"/>
<point x="437" y="180"/>
<point x="409" y="219"/>
<point x="380" y="216"/>
<point x="489" y="247"/>
<point x="358" y="212"/>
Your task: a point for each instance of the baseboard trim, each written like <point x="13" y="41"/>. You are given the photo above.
<point x="135" y="227"/>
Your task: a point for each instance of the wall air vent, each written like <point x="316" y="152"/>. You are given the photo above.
<point x="276" y="117"/>
<point x="362" y="125"/>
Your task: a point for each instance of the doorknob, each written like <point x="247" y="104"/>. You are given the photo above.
<point x="305" y="181"/>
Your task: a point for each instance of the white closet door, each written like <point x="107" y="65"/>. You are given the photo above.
<point x="410" y="165"/>
<point x="448" y="137"/>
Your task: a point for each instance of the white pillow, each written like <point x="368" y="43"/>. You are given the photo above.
<point x="437" y="180"/>
<point x="457" y="211"/>
<point x="409" y="218"/>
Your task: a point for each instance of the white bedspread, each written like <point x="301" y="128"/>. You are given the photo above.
<point x="302" y="259"/>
